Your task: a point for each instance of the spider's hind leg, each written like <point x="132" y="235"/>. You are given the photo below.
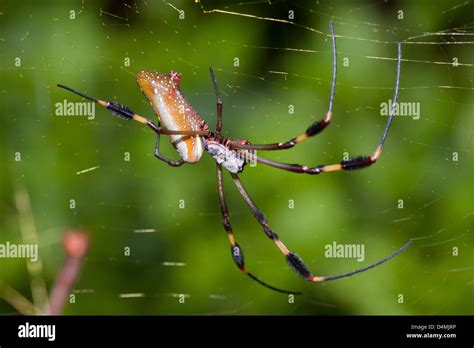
<point x="236" y="250"/>
<point x="293" y="259"/>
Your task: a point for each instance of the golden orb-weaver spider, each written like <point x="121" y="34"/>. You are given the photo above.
<point x="190" y="135"/>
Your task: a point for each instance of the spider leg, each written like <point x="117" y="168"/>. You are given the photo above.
<point x="293" y="259"/>
<point x="352" y="163"/>
<point x="236" y="250"/>
<point x="313" y="129"/>
<point x="126" y="113"/>
<point x="163" y="158"/>
<point x="218" y="102"/>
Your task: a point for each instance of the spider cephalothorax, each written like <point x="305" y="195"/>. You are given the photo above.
<point x="232" y="160"/>
<point x="191" y="137"/>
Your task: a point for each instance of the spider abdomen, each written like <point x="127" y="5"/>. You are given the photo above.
<point x="174" y="111"/>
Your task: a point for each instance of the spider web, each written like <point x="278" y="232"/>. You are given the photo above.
<point x="273" y="65"/>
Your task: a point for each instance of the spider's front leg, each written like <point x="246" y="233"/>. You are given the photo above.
<point x="219" y="103"/>
<point x="315" y="128"/>
<point x="350" y="164"/>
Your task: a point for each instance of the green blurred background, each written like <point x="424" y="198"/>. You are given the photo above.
<point x="88" y="52"/>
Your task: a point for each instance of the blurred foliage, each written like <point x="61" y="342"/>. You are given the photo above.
<point x="88" y="53"/>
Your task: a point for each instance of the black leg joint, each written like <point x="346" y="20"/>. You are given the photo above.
<point x="120" y="110"/>
<point x="315" y="170"/>
<point x="270" y="234"/>
<point x="316" y="127"/>
<point x="357" y="163"/>
<point x="227" y="225"/>
<point x="297" y="264"/>
<point x="260" y="217"/>
<point x="237" y="255"/>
